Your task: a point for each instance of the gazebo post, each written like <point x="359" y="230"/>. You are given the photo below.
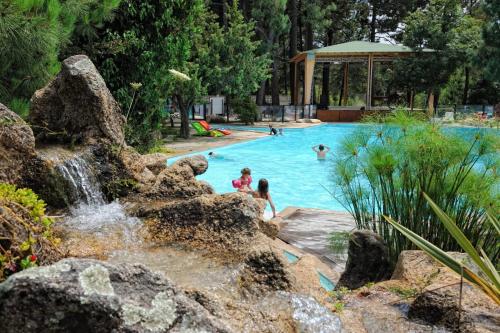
<point x="369" y="83"/>
<point x="308" y="77"/>
<point x="295" y="83"/>
<point x="345" y="85"/>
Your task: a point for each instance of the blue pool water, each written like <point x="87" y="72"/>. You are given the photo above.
<point x="296" y="177"/>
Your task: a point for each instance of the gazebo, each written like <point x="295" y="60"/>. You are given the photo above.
<point x="350" y="52"/>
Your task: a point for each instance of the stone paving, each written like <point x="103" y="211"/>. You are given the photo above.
<point x="310" y="229"/>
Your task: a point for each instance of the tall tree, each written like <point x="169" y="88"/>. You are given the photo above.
<point x="272" y="24"/>
<point x="436" y="27"/>
<point x="229" y="61"/>
<point x="490" y="52"/>
<point x="32" y="34"/>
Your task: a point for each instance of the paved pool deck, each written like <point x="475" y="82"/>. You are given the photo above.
<point x="202" y="143"/>
<point x="309" y="230"/>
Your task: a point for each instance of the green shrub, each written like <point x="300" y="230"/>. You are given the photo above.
<point x="245" y="108"/>
<point x="383" y="170"/>
<point x="25" y="231"/>
<point x="20" y="106"/>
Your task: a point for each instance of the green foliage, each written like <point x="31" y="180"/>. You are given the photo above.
<point x="25" y="230"/>
<point x="245" y="108"/>
<point x="26" y="198"/>
<point x="118" y="188"/>
<point x="339" y="241"/>
<point x="442" y="27"/>
<point x="402" y="292"/>
<point x="383" y="170"/>
<point x="32" y="33"/>
<point x="490" y="283"/>
<point x="20" y="106"/>
<point x="230" y="63"/>
<point x="490" y="52"/>
<point x="339" y="294"/>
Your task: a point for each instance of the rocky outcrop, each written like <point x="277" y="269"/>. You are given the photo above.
<point x="77" y="295"/>
<point x="438" y="302"/>
<point x="17" y="146"/>
<point x="156" y="162"/>
<point x="77" y="105"/>
<point x="228" y="219"/>
<point x="178" y="180"/>
<point x="266" y="271"/>
<point x="368" y="260"/>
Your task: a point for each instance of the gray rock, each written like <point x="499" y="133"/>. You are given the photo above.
<point x="232" y="219"/>
<point x="77" y="104"/>
<point x="82" y="295"/>
<point x="197" y="163"/>
<point x="17" y="146"/>
<point x="178" y="180"/>
<point x="368" y="260"/>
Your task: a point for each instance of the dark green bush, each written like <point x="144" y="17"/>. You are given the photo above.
<point x="245" y="108"/>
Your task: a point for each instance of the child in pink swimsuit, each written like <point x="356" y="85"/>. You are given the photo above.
<point x="243" y="183"/>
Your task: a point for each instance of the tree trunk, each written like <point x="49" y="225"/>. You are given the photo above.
<point x="301" y="44"/>
<point x="292" y="13"/>
<point x="325" y="90"/>
<point x="465" y="96"/>
<point x="373" y="23"/>
<point x="275" y="83"/>
<point x="309" y="36"/>
<point x="184" y="111"/>
<point x="184" y="132"/>
<point x="261" y="94"/>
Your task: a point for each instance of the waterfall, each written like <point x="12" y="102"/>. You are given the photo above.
<point x="90" y="217"/>
<point x="83" y="182"/>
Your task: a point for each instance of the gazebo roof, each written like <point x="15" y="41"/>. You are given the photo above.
<point x="357" y="48"/>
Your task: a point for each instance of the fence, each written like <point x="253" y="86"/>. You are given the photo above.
<point x="265" y="113"/>
<point x="464" y="111"/>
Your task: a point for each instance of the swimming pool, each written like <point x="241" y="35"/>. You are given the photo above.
<point x="296" y="177"/>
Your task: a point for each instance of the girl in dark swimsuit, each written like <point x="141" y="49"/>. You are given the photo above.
<point x="263" y="193"/>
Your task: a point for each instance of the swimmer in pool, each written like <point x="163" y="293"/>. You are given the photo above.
<point x="213" y="155"/>
<point x="321" y="151"/>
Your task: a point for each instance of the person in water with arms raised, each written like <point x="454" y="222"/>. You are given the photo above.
<point x="321" y="151"/>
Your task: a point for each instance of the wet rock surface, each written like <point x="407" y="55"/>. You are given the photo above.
<point x="211" y="219"/>
<point x="77" y="295"/>
<point x="368" y="260"/>
<point x="17" y="146"/>
<point x="76" y="106"/>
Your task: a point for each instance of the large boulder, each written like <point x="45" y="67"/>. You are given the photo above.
<point x="17" y="146"/>
<point x="77" y="105"/>
<point x="368" y="260"/>
<point x="77" y="295"/>
<point x="230" y="219"/>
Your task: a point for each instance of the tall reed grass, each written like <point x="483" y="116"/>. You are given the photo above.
<point x="385" y="167"/>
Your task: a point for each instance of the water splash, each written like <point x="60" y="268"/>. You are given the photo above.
<point x="313" y="317"/>
<point x="83" y="182"/>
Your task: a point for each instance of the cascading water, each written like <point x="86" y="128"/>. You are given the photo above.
<point x="80" y="177"/>
<point x="91" y="220"/>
